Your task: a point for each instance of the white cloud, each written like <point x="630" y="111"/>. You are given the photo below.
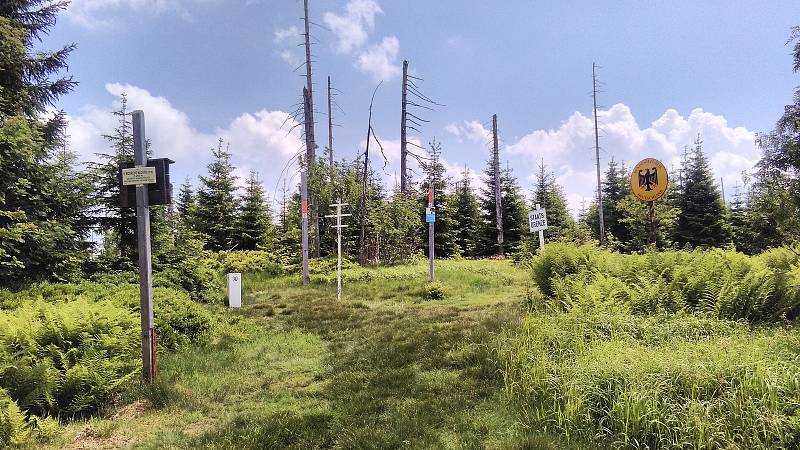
<point x="471" y="130"/>
<point x="352" y="28"/>
<point x="257" y="140"/>
<point x="286" y="39"/>
<point x="379" y="61"/>
<point x="569" y="149"/>
<point x="282" y="35"/>
<point x="95" y="13"/>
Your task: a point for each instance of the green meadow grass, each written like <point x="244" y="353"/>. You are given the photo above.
<point x="294" y="368"/>
<point x="493" y="364"/>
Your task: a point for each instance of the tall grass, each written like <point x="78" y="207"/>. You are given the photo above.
<point x="677" y="349"/>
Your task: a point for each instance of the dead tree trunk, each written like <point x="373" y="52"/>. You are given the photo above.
<point x="597" y="156"/>
<point x="330" y="125"/>
<point x="497" y="197"/>
<point x="403" y="142"/>
<point x="309" y="85"/>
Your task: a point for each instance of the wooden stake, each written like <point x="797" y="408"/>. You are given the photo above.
<point x="651" y="219"/>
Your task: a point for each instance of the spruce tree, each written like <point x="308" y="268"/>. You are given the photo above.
<point x="43" y="200"/>
<point x="255" y="229"/>
<point x="550" y="196"/>
<point x="774" y="197"/>
<point x="515" y="212"/>
<point x="701" y="222"/>
<point x="616" y="187"/>
<point x="27" y="88"/>
<point x="486" y="200"/>
<point x="468" y="215"/>
<point x="445" y="225"/>
<point x="187" y="204"/>
<point x="216" y="202"/>
<point x="119" y="224"/>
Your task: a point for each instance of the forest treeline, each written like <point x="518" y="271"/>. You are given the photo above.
<point x="52" y="209"/>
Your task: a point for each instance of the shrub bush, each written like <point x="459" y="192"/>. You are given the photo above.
<point x="247" y="261"/>
<point x="434" y="291"/>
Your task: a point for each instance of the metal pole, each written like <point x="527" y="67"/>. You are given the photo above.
<point x="430" y="236"/>
<point x="541" y="232"/>
<point x="145" y="258"/>
<point x="651" y="218"/>
<point x="304" y="222"/>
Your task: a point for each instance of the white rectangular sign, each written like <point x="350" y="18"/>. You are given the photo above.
<point x="537" y="219"/>
<point x="138" y="175"/>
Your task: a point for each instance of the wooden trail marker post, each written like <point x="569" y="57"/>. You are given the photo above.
<point x="339" y="227"/>
<point x="649" y="181"/>
<point x="145" y="257"/>
<point x="430" y="217"/>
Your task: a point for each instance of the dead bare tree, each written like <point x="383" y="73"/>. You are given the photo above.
<point x="330" y="124"/>
<point x="409" y="120"/>
<point x="362" y="254"/>
<point x="497" y="194"/>
<point x="597" y="156"/>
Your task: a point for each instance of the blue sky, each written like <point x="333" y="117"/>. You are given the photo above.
<point x="204" y="69"/>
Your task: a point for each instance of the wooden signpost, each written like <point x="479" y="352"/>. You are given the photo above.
<point x="649" y="181"/>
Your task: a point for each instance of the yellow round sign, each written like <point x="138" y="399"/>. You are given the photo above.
<point x="649" y="180"/>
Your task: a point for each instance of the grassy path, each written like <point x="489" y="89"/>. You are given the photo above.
<point x="296" y="369"/>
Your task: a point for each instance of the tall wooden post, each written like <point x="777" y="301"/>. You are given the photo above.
<point x="403" y="142"/>
<point x="597" y="156"/>
<point x="497" y="195"/>
<point x="145" y="258"/>
<point x="651" y="220"/>
<point x="304" y="223"/>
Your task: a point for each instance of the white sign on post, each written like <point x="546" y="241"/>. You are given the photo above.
<point x="537" y="219"/>
<point x="138" y="175"/>
<point x="234" y="290"/>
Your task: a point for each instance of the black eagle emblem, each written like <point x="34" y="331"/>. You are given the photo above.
<point x="648" y="178"/>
